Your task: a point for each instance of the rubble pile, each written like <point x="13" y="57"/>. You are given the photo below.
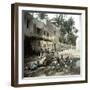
<point x="50" y="64"/>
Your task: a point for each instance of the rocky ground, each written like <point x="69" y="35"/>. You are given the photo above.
<point x="51" y="65"/>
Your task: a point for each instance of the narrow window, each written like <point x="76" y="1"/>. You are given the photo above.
<point x="28" y="22"/>
<point x="38" y="31"/>
<point x="47" y="34"/>
<point x="54" y="32"/>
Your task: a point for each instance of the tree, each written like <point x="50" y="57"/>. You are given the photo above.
<point x="71" y="30"/>
<point x="59" y="19"/>
<point x="71" y="39"/>
<point x="42" y="15"/>
<point x="67" y="29"/>
<point x="68" y="25"/>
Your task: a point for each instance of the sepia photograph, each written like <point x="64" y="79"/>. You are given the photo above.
<point x="51" y="44"/>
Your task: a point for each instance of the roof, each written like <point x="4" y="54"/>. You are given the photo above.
<point x="49" y="27"/>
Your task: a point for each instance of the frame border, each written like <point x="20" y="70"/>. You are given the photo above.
<point x="14" y="43"/>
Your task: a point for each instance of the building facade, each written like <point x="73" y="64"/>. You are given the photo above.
<point x="43" y="37"/>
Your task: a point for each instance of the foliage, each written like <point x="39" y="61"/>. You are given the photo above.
<point x="67" y="29"/>
<point x="71" y="39"/>
<point x="42" y="15"/>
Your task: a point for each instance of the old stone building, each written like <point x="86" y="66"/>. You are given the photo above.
<point x="39" y="36"/>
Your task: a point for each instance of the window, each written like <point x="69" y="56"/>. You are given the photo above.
<point x="34" y="26"/>
<point x="47" y="34"/>
<point x="44" y="32"/>
<point x="44" y="45"/>
<point x="54" y="32"/>
<point x="38" y="30"/>
<point x="28" y="22"/>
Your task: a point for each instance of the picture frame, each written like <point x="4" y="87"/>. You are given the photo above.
<point x="41" y="32"/>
